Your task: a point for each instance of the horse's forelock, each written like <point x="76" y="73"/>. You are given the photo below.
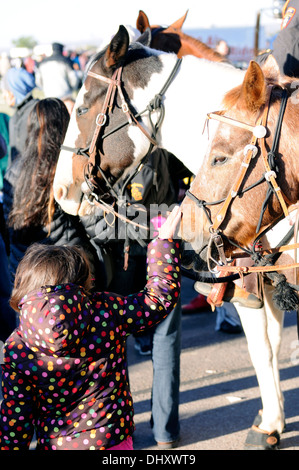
<point x="93" y="60"/>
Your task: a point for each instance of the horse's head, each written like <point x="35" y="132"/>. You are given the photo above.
<point x="104" y="138"/>
<point x="232" y="184"/>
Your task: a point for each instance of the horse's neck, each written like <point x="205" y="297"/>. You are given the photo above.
<point x="192" y="46"/>
<point x="197" y="90"/>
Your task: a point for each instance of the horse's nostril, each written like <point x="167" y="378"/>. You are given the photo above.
<point x="60" y="193"/>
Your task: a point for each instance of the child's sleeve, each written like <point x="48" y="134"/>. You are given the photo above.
<point x="17" y="411"/>
<point x="161" y="293"/>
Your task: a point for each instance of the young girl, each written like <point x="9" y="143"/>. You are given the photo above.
<point x="65" y="371"/>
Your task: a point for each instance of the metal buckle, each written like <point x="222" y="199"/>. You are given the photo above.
<point x="99" y="116"/>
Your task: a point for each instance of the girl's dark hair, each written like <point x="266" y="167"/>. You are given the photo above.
<point x="50" y="265"/>
<point x="33" y="203"/>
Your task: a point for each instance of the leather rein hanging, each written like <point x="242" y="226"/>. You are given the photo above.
<point x="259" y="132"/>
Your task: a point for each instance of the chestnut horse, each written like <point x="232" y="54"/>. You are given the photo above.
<point x="101" y="146"/>
<point x="239" y="208"/>
<point x="239" y="218"/>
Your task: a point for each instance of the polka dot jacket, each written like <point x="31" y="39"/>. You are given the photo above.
<point x="65" y="371"/>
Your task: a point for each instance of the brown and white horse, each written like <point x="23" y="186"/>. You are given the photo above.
<point x="117" y="134"/>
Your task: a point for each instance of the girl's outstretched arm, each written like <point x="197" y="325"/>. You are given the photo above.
<point x="169" y="228"/>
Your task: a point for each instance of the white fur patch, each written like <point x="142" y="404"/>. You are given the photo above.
<point x="197" y="89"/>
<point x="64" y="171"/>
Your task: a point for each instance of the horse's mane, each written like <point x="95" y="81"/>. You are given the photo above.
<point x="206" y="51"/>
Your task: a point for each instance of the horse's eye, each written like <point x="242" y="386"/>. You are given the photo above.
<point x="81" y="111"/>
<point x="219" y="160"/>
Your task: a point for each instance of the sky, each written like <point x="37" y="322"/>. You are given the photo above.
<point x="87" y="21"/>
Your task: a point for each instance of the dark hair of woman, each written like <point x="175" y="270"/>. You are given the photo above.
<point x="50" y="265"/>
<point x="33" y="203"/>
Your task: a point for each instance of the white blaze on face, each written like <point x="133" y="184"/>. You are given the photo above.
<point x="65" y="191"/>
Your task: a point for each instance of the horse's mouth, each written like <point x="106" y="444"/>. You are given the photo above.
<point x="195" y="261"/>
<point x="90" y="200"/>
<point x="198" y="261"/>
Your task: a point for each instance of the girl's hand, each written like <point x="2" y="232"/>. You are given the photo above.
<point x="168" y="229"/>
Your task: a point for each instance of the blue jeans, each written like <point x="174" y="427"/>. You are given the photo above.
<point x="166" y="377"/>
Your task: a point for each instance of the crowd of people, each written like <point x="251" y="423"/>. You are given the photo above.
<point x="58" y="311"/>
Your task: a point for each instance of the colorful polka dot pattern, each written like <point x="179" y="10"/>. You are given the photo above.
<point x="65" y="371"/>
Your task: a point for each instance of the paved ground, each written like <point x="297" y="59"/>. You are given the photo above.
<point x="219" y="396"/>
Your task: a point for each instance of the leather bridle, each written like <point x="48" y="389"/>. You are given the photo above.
<point x="259" y="132"/>
<point x="92" y="167"/>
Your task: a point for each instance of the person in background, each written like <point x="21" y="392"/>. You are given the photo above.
<point x="55" y="75"/>
<point x="196" y="304"/>
<point x="286" y="45"/>
<point x="18" y="86"/>
<point x="3" y="164"/>
<point x="285" y="48"/>
<point x="29" y="64"/>
<point x="69" y="102"/>
<point x="30" y="211"/>
<point x="4" y="64"/>
<point x="8" y="319"/>
<point x="68" y="357"/>
<point x="222" y="48"/>
<point x="3" y="147"/>
<point x="7" y="315"/>
<point x="4" y="136"/>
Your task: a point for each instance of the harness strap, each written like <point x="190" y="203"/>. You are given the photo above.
<point x="259" y="132"/>
<point x="114" y="83"/>
<point x="220" y="216"/>
<point x="270" y="173"/>
<point x="108" y="102"/>
<point x="257" y="269"/>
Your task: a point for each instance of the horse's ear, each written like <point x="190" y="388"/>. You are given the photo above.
<point x="179" y="23"/>
<point x="253" y="91"/>
<point x="142" y="22"/>
<point x="117" y="48"/>
<point x="145" y="38"/>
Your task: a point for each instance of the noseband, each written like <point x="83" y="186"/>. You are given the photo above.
<point x="259" y="132"/>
